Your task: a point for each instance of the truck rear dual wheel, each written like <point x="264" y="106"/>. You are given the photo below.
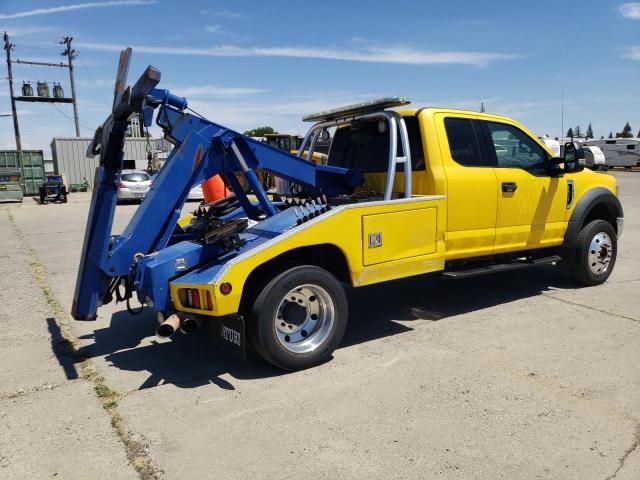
<point x="299" y="318"/>
<point x="595" y="254"/>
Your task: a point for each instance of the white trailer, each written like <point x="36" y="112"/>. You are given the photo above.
<point x="552" y="144"/>
<point x="594" y="158"/>
<point x="618" y="152"/>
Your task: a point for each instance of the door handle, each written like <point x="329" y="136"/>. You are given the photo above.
<point x="509" y="187"/>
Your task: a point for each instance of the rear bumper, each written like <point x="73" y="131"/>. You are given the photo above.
<point x="131" y="194"/>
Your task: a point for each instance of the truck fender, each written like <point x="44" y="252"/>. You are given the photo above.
<point x="608" y="208"/>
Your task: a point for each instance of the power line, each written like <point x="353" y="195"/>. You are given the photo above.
<point x="71" y="119"/>
<point x="94" y="82"/>
<point x="43" y="88"/>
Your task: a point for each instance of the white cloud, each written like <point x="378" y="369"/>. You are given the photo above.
<point x="633" y="53"/>
<point x="283" y="113"/>
<point x="630" y="10"/>
<point x="223" y="13"/>
<point x="213" y="91"/>
<point x="97" y="83"/>
<point x="220" y="30"/>
<point x="369" y="54"/>
<point x="76" y="6"/>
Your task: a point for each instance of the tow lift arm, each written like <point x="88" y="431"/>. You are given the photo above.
<point x="202" y="149"/>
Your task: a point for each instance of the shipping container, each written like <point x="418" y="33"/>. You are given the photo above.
<point x="31" y="165"/>
<point x="70" y="157"/>
<point x="10" y="185"/>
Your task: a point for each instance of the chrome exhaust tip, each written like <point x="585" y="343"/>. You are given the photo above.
<point x="169" y="326"/>
<point x="190" y="325"/>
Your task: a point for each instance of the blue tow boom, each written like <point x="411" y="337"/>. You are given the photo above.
<point x="202" y="149"/>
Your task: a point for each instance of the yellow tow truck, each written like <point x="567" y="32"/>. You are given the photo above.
<point x="483" y="195"/>
<point x="404" y="192"/>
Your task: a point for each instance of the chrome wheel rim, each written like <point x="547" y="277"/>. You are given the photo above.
<point x="304" y="318"/>
<point x="600" y="253"/>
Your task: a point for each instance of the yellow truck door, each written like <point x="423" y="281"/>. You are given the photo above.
<point x="471" y="188"/>
<point x="531" y="204"/>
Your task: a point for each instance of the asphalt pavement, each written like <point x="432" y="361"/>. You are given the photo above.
<point x="514" y="375"/>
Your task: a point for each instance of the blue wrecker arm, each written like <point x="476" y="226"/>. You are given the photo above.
<point x="202" y="149"/>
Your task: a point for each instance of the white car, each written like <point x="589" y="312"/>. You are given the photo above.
<point x="133" y="185"/>
<point x="196" y="193"/>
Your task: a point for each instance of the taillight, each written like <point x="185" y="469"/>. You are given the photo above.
<point x="122" y="185"/>
<point x="191" y="298"/>
<point x="195" y="295"/>
<point x="226" y="288"/>
<point x="209" y="302"/>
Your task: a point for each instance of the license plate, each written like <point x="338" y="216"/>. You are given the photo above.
<point x="138" y="195"/>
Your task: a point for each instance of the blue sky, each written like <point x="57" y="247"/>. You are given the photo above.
<point x="251" y="63"/>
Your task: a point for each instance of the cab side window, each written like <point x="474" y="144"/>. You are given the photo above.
<point x="463" y="142"/>
<point x="515" y="149"/>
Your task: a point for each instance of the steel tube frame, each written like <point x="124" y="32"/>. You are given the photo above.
<point x="395" y="123"/>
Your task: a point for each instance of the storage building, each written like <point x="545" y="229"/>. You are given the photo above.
<point x="70" y="157"/>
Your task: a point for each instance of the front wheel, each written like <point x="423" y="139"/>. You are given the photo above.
<point x="596" y="253"/>
<point x="299" y="318"/>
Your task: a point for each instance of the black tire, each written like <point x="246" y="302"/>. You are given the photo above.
<point x="267" y="337"/>
<point x="585" y="270"/>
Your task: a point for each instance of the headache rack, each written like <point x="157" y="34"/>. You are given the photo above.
<point x="367" y="112"/>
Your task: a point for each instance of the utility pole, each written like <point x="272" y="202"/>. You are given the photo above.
<point x="8" y="46"/>
<point x="42" y="95"/>
<point x="71" y="54"/>
<point x="482" y="109"/>
<point x="562" y="115"/>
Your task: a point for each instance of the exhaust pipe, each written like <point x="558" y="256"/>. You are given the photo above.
<point x="190" y="324"/>
<point x="169" y="326"/>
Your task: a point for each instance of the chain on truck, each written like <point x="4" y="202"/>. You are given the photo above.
<point x="402" y="193"/>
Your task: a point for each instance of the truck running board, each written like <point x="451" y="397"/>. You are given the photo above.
<point x="501" y="267"/>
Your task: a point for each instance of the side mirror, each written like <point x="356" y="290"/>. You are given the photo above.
<point x="555" y="166"/>
<point x="573" y="157"/>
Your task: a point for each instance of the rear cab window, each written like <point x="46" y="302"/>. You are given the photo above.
<point x="134" y="177"/>
<point x="366" y="148"/>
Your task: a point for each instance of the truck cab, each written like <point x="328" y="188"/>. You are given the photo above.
<point x="503" y="192"/>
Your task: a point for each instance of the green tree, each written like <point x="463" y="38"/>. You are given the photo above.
<point x="577" y="132"/>
<point x="259" y="132"/>
<point x="589" y="133"/>
<point x="610" y="134"/>
<point x="570" y="133"/>
<point x="626" y="132"/>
